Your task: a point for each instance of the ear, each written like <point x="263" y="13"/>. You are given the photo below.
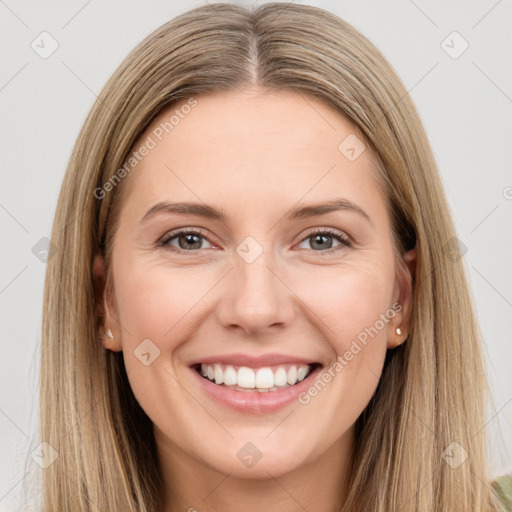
<point x="403" y="294"/>
<point x="105" y="307"/>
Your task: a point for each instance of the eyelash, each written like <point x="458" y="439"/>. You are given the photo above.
<point x="345" y="242"/>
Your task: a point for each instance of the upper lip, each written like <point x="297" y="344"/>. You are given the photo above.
<point x="254" y="361"/>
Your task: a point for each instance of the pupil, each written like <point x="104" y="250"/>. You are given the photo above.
<point x="322" y="237"/>
<point x="189" y="240"/>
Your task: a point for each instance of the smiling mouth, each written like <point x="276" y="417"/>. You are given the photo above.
<point x="246" y="379"/>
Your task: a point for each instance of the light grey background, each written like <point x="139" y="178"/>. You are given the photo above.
<point x="465" y="104"/>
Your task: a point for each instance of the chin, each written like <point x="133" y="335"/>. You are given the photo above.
<point x="258" y="459"/>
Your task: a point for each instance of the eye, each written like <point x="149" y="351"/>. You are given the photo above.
<point x="323" y="240"/>
<point x="187" y="240"/>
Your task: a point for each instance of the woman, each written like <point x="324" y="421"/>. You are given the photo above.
<point x="256" y="299"/>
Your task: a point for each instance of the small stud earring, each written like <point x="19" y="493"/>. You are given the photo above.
<point x="108" y="332"/>
<point x="398" y="331"/>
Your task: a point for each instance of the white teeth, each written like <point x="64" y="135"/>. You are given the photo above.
<point x="280" y="377"/>
<point x="230" y="376"/>
<point x="262" y="380"/>
<point x="217" y="372"/>
<point x="291" y="376"/>
<point x="246" y="377"/>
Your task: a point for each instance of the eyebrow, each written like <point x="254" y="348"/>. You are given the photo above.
<point x="298" y="212"/>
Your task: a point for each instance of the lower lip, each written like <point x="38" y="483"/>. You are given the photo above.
<point x="254" y="401"/>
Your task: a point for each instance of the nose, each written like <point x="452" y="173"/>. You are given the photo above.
<point x="255" y="297"/>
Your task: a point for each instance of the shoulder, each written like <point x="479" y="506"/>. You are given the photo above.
<point x="503" y="487"/>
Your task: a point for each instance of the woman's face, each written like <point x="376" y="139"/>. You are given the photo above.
<point x="259" y="287"/>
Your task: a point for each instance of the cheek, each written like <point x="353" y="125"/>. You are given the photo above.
<point x="347" y="301"/>
<point x="155" y="302"/>
<point x="350" y="308"/>
<point x="160" y="305"/>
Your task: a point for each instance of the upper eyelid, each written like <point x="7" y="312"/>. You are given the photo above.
<point x="331" y="231"/>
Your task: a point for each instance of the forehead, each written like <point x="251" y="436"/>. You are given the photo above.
<point x="240" y="123"/>
<point x="240" y="146"/>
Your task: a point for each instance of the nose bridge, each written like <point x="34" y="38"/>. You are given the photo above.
<point x="255" y="298"/>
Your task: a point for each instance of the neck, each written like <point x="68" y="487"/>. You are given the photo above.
<point x="194" y="487"/>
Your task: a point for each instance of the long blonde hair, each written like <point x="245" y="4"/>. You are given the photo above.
<point x="433" y="388"/>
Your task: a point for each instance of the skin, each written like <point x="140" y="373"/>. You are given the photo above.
<point x="256" y="154"/>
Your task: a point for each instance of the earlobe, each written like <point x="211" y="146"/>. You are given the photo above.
<point x="396" y="335"/>
<point x="110" y="342"/>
